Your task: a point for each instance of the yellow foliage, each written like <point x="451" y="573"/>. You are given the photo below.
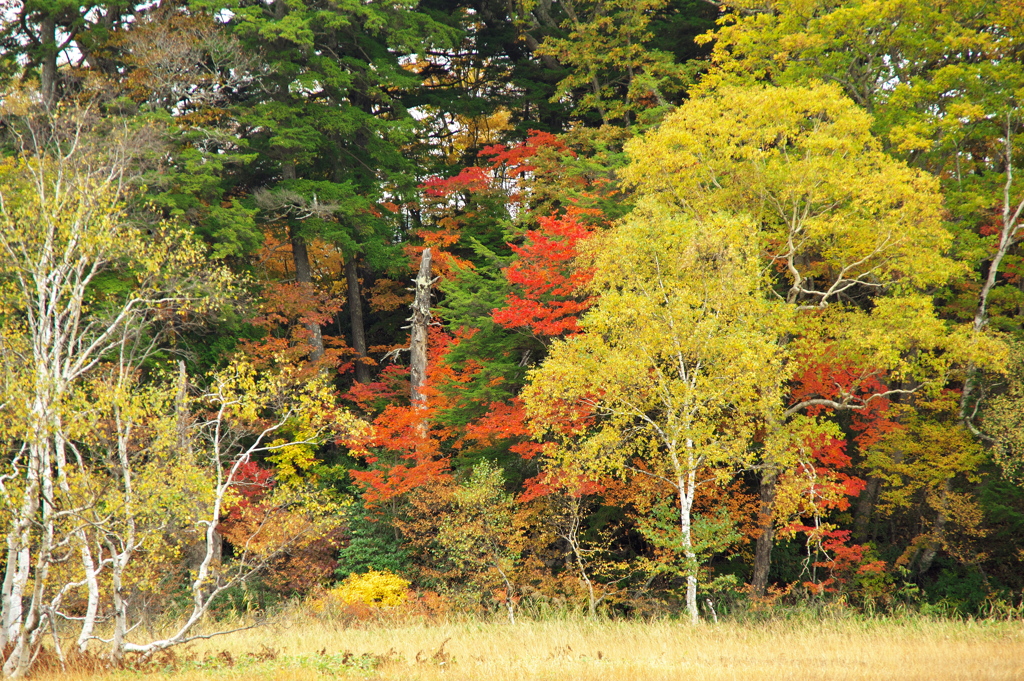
<point x="838" y="213"/>
<point x="376" y="589"/>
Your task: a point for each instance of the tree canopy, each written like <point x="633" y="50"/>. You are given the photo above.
<point x="718" y="306"/>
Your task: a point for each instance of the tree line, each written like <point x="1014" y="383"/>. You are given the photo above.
<point x="719" y="305"/>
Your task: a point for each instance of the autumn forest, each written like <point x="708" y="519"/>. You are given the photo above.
<point x="622" y="308"/>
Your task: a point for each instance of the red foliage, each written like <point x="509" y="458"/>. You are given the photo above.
<point x="253" y="480"/>
<point x="550" y="482"/>
<point x="843" y="561"/>
<point x="869" y="419"/>
<point x="830" y="483"/>
<point x="548" y="301"/>
<point x="503" y="421"/>
<point x="822" y="379"/>
<point x="516" y="160"/>
<point x="509" y="162"/>
<point x="454" y="200"/>
<point x="404" y="433"/>
<point x="471" y="179"/>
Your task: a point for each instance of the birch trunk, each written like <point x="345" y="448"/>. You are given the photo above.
<point x="1008" y="237"/>
<point x="686" y="484"/>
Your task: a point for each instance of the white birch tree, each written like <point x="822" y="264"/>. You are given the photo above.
<point x="106" y="476"/>
<point x="679" y="364"/>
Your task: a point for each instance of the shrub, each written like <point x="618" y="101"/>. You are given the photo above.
<point x="373" y="588"/>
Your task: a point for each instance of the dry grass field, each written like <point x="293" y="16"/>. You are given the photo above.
<point x="296" y="649"/>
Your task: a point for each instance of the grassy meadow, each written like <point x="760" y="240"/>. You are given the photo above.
<point x="296" y="648"/>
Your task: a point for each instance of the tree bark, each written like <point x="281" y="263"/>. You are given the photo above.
<point x="303" y="275"/>
<point x="303" y="272"/>
<point x="355" y="315"/>
<point x="766" y="540"/>
<point x="865" y="509"/>
<point x="420" y="323"/>
<point x="48" y="60"/>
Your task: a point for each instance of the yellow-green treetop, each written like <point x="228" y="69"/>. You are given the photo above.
<point x="841" y="218"/>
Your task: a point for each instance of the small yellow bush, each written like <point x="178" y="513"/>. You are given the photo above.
<point x="376" y="589"/>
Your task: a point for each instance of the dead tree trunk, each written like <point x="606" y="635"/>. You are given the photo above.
<point x="418" y="339"/>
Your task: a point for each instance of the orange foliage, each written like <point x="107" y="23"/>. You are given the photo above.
<point x="549" y="299"/>
<point x="275" y="257"/>
<point x="303" y="556"/>
<point x="285" y="312"/>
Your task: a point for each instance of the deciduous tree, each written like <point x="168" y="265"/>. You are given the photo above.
<point x="850" y="235"/>
<point x="678" y="366"/>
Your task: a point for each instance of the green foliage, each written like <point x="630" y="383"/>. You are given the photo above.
<point x="479" y="536"/>
<point x="834" y="192"/>
<point x="711" y="535"/>
<point x="372" y="545"/>
<point x="615" y="71"/>
<point x="957" y="591"/>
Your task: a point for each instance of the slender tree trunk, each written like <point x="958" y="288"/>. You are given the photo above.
<point x="355" y="315"/>
<point x="765" y="540"/>
<point x="48" y="60"/>
<point x="303" y="272"/>
<point x="686" y="484"/>
<point x="865" y="509"/>
<point x="117" y="640"/>
<point x="939" y="534"/>
<point x="685" y="507"/>
<point x="572" y="537"/>
<point x="420" y="323"/>
<point x="89" y="569"/>
<point x="119" y="559"/>
<point x="1008" y="237"/>
<point x="93" y="602"/>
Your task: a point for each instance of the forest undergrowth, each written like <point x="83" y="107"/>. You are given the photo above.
<point x="828" y="643"/>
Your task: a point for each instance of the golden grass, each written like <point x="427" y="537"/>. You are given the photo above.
<point x="912" y="649"/>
